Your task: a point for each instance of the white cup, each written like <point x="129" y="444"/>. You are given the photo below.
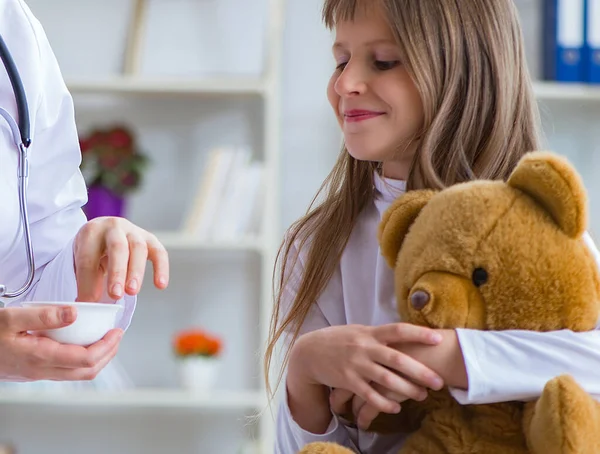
<point x="92" y="323"/>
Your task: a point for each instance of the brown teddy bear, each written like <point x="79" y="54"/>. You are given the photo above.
<point x="495" y="255"/>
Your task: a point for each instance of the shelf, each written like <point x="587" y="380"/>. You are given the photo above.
<point x="225" y="85"/>
<point x="228" y="85"/>
<point x="175" y="240"/>
<point x="553" y="91"/>
<point x="138" y="398"/>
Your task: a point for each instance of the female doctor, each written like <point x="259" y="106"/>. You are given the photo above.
<point x="101" y="260"/>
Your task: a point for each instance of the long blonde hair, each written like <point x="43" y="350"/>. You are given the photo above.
<point x="467" y="60"/>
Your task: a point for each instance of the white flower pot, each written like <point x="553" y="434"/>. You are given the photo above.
<point x="199" y="373"/>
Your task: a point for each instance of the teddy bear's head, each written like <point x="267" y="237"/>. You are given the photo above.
<point x="496" y="255"/>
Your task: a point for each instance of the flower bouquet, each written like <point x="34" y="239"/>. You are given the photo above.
<point x="112" y="167"/>
<point x="199" y="358"/>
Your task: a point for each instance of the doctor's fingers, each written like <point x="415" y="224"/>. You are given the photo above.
<point x="117" y="258"/>
<point x="21" y="319"/>
<point x="127" y="254"/>
<point x="41" y="353"/>
<point x="144" y="246"/>
<point x="128" y="248"/>
<point x="88" y="250"/>
<point x="85" y="373"/>
<point x="120" y="249"/>
<point x="159" y="257"/>
<point x="50" y="372"/>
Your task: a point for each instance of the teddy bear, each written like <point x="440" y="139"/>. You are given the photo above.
<point x="495" y="255"/>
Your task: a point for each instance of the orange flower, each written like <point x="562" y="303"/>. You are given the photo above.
<point x="196" y="342"/>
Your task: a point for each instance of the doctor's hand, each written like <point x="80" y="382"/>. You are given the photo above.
<point x="27" y="357"/>
<point x="112" y="251"/>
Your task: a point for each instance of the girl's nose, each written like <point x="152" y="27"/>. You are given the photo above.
<point x="352" y="81"/>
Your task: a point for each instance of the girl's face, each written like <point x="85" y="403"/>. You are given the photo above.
<point x="376" y="103"/>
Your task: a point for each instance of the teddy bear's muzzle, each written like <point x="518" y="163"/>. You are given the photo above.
<point x="446" y="300"/>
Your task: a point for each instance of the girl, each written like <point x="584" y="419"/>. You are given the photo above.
<point x="428" y="94"/>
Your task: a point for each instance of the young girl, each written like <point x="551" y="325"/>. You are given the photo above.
<point x="428" y="94"/>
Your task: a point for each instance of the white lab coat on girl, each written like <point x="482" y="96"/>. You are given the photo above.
<point x="56" y="189"/>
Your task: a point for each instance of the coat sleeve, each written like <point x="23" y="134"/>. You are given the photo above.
<point x="56" y="188"/>
<point x="515" y="365"/>
<point x="289" y="436"/>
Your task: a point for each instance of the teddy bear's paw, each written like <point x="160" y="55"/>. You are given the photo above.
<point x="565" y="420"/>
<point x="324" y="448"/>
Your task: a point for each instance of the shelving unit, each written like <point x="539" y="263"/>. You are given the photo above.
<point x="175" y="240"/>
<point x="233" y="87"/>
<point x="550" y="91"/>
<point x="225" y="86"/>
<point x="138" y="398"/>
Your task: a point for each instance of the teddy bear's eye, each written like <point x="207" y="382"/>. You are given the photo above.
<point x="480" y="277"/>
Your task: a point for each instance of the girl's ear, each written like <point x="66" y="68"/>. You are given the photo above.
<point x="554" y="184"/>
<point x="397" y="219"/>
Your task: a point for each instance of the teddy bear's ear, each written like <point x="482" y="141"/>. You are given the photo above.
<point x="397" y="219"/>
<point x="554" y="184"/>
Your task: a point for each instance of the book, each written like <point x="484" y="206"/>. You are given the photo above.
<point x="563" y="40"/>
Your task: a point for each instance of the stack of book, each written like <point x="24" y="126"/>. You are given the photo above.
<point x="228" y="202"/>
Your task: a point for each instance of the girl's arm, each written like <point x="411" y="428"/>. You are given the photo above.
<point x="304" y="413"/>
<point x="498" y="366"/>
<point x="305" y="416"/>
<point x="516" y="365"/>
<point x="446" y="358"/>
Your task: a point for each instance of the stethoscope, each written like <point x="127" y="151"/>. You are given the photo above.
<point x="21" y="136"/>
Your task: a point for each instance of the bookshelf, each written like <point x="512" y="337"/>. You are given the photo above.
<point x="137" y="398"/>
<point x="256" y="87"/>
<point x="553" y="91"/>
<point x="176" y="241"/>
<point x="131" y="85"/>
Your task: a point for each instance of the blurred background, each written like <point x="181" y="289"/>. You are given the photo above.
<point x="206" y="122"/>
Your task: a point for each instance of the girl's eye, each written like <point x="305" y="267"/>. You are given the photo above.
<point x="341" y="66"/>
<point x="386" y="65"/>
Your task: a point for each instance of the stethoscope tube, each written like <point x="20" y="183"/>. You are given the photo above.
<point x="19" y="90"/>
<point x="23" y="169"/>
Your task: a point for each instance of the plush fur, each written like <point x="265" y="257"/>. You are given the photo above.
<point x="494" y="255"/>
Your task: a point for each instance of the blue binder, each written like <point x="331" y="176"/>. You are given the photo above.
<point x="592" y="44"/>
<point x="564" y="40"/>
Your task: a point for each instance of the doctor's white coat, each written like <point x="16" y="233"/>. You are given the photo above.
<point x="56" y="188"/>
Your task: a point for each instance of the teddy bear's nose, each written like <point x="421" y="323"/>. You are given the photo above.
<point x="419" y="299"/>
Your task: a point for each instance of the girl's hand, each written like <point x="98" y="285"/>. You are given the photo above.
<point x="347" y="405"/>
<point x="119" y="249"/>
<point x="356" y="358"/>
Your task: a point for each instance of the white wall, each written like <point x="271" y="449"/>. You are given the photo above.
<point x="311" y="137"/>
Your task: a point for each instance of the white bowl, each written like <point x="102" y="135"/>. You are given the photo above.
<point x="92" y="323"/>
